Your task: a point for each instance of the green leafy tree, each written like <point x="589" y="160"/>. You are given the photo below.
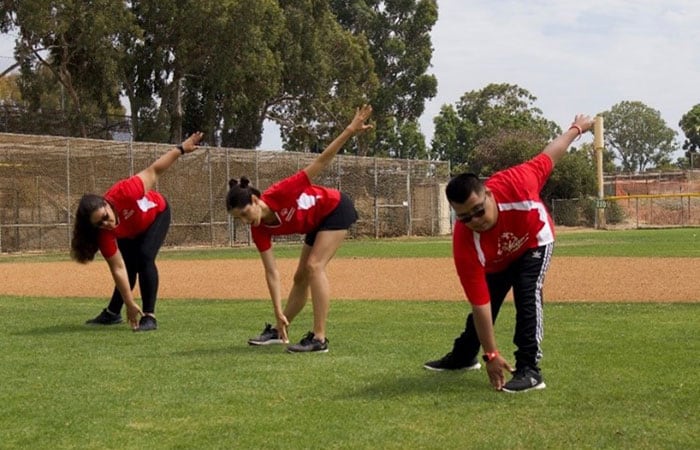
<point x="408" y="142"/>
<point x="504" y="149"/>
<point x="638" y="135"/>
<point x="78" y="43"/>
<point x="482" y="114"/>
<point x="574" y="176"/>
<point x="202" y="65"/>
<point x="227" y="66"/>
<point x="10" y="94"/>
<point x="327" y="72"/>
<point x="690" y="124"/>
<point x="398" y="34"/>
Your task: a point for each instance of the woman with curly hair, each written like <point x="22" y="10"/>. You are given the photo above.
<point x="128" y="225"/>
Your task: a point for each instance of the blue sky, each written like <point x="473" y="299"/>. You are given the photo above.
<point x="575" y="57"/>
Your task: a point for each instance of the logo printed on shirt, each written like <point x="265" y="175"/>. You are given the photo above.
<point x="306" y="201"/>
<point x="287" y="213"/>
<point x="510" y="243"/>
<point x="145" y="204"/>
<point x="127" y="213"/>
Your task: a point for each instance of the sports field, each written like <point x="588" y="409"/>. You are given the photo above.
<point x="621" y="345"/>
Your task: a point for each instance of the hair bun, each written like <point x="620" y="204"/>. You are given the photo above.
<point x="232" y="182"/>
<point x="244" y="182"/>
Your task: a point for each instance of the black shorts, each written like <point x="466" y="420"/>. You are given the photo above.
<point x="341" y="218"/>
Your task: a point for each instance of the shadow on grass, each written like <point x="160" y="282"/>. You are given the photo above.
<point x="420" y="384"/>
<point x="67" y="328"/>
<point x="231" y="349"/>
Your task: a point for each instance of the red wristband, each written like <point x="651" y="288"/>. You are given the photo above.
<point x="490" y="356"/>
<point x="577" y="128"/>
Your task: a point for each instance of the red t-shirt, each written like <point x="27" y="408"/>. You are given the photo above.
<point x="300" y="207"/>
<point x="523" y="223"/>
<point x="135" y="209"/>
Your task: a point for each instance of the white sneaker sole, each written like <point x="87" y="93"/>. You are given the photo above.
<point x="307" y="351"/>
<point x="268" y="342"/>
<point x="476" y="366"/>
<point x="533" y="388"/>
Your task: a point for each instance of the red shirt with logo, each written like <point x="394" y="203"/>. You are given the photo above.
<point x="300" y="207"/>
<point x="135" y="209"/>
<point x="523" y="223"/>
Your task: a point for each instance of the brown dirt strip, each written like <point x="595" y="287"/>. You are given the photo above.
<point x="569" y="279"/>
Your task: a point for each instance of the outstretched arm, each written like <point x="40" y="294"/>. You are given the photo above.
<point x="150" y="174"/>
<point x="357" y="125"/>
<point x="272" y="277"/>
<point x="495" y="368"/>
<point x="557" y="148"/>
<point x="121" y="281"/>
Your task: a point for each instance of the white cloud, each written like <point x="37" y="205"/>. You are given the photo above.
<point x="573" y="56"/>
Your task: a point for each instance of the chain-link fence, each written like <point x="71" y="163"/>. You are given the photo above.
<point x="637" y="201"/>
<point x="632" y="211"/>
<point x="42" y="178"/>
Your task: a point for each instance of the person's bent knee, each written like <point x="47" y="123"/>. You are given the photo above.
<point x="301" y="276"/>
<point x="314" y="268"/>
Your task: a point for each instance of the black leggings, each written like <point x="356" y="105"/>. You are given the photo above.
<point x="140" y="259"/>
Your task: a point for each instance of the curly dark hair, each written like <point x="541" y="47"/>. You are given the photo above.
<point x="84" y="245"/>
<point x="240" y="193"/>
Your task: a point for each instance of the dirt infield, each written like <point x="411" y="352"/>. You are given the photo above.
<point x="569" y="279"/>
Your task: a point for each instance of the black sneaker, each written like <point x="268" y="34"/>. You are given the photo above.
<point x="268" y="336"/>
<point x="147" y="323"/>
<point x="105" y="318"/>
<point x="450" y="362"/>
<point x="309" y="344"/>
<point x="524" y="380"/>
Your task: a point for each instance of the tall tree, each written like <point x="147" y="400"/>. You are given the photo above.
<point x="398" y="32"/>
<point x="227" y="66"/>
<point x="690" y="124"/>
<point x="327" y="72"/>
<point x="196" y="59"/>
<point x="483" y="114"/>
<point x="78" y="42"/>
<point x="638" y="135"/>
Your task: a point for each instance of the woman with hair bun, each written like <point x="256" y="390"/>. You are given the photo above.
<point x="295" y="206"/>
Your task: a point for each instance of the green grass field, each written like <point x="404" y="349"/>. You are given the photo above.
<point x="618" y="375"/>
<point x="671" y="242"/>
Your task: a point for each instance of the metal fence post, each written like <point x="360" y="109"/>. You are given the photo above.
<point x="68" y="193"/>
<point x="376" y="202"/>
<point x="211" y="196"/>
<point x="409" y="221"/>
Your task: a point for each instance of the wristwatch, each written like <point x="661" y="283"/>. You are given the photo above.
<point x="489" y="356"/>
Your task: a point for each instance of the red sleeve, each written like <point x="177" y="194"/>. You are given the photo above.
<point x="107" y="243"/>
<point x="262" y="240"/>
<point x="529" y="176"/>
<point x="471" y="272"/>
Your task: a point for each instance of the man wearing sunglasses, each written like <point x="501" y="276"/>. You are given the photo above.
<point x="503" y="239"/>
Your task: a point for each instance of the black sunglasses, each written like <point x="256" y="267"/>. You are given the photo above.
<point x="466" y="218"/>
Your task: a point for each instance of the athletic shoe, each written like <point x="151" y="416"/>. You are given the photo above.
<point x="309" y="344"/>
<point x="524" y="380"/>
<point x="147" y="323"/>
<point x="268" y="336"/>
<point x="450" y="362"/>
<point x="105" y="318"/>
